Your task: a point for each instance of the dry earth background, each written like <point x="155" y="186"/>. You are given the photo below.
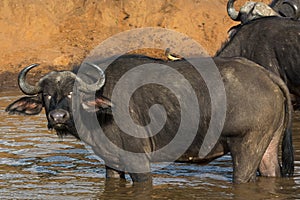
<point x="58" y="34"/>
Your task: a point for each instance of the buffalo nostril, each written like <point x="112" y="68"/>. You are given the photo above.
<point x="59" y="116"/>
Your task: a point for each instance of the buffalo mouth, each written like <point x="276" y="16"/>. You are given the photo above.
<point x="60" y="126"/>
<point x="63" y="130"/>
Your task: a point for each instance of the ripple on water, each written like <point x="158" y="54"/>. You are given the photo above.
<point x="57" y="159"/>
<point x="16" y="162"/>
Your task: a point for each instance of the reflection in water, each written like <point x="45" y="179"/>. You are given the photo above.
<point x="36" y="164"/>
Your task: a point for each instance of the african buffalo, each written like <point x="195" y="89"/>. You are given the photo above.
<point x="253" y="10"/>
<point x="258" y="112"/>
<point x="273" y="43"/>
<point x="287" y="8"/>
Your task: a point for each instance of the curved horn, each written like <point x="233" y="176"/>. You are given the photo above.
<point x="23" y="85"/>
<point x="292" y="5"/>
<point x="233" y="14"/>
<point x="83" y="86"/>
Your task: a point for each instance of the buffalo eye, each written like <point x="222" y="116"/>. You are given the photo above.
<point x="70" y="95"/>
<point x="47" y="96"/>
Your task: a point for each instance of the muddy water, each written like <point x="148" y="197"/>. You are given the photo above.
<point x="36" y="164"/>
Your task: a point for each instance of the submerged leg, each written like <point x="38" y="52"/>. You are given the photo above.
<point x="112" y="173"/>
<point x="141" y="178"/>
<point x="138" y="167"/>
<point x="247" y="152"/>
<point x="269" y="165"/>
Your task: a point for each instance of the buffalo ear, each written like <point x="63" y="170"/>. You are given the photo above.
<point x="99" y="103"/>
<point x="29" y="105"/>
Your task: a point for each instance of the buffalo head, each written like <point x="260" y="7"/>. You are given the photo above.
<point x="249" y="11"/>
<point x="54" y="92"/>
<point x="253" y="10"/>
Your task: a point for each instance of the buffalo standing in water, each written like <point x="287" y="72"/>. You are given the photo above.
<point x="258" y="113"/>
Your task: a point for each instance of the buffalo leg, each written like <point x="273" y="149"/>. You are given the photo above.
<point x="246" y="153"/>
<point x="138" y="167"/>
<point x="269" y="165"/>
<point x="112" y="173"/>
<point x="138" y="178"/>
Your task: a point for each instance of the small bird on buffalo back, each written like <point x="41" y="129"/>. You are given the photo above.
<point x="172" y="56"/>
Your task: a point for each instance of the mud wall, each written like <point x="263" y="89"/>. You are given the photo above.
<point x="58" y="34"/>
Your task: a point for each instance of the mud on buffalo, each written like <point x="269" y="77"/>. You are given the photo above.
<point x="258" y="115"/>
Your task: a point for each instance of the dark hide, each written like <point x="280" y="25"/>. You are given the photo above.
<point x="258" y="113"/>
<point x="273" y="43"/>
